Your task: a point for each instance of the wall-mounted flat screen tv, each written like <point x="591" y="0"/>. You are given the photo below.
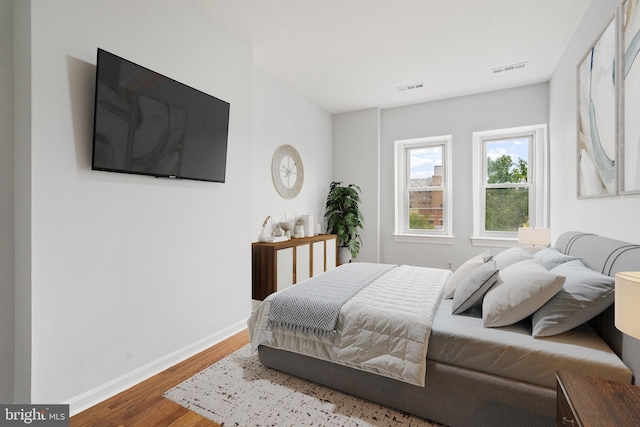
<point x="148" y="124"/>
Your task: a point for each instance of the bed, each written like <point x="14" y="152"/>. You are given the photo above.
<point x="479" y="367"/>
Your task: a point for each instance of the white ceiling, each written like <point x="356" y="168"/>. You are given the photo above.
<point x="348" y="55"/>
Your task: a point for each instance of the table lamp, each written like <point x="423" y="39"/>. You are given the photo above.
<point x="627" y="303"/>
<point x="535" y="237"/>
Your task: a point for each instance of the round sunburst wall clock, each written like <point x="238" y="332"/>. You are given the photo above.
<point x="287" y="171"/>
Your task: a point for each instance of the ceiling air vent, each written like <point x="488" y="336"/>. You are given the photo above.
<point x="511" y="67"/>
<point x="411" y="86"/>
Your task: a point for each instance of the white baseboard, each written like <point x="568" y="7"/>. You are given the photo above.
<point x="118" y="385"/>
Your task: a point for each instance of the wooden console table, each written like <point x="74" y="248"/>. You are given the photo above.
<point x="276" y="266"/>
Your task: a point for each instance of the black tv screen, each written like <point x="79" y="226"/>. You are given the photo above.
<point x="148" y="124"/>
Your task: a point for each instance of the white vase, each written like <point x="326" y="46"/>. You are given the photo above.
<point x="264" y="236"/>
<point x="344" y="255"/>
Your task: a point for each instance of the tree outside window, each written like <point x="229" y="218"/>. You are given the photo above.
<point x="510" y="181"/>
<point x="507" y="184"/>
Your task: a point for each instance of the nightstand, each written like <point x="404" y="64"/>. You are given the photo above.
<point x="588" y="401"/>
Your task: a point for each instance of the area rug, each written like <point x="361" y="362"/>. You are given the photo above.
<point x="239" y="391"/>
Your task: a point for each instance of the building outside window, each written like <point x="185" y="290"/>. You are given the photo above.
<point x="426" y="201"/>
<point x="423" y="189"/>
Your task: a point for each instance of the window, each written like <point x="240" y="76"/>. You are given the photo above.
<point x="423" y="190"/>
<point x="510" y="183"/>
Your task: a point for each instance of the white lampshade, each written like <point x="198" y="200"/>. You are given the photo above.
<point x="627" y="303"/>
<point x="534" y="236"/>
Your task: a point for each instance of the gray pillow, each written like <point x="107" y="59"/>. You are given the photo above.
<point x="585" y="294"/>
<point x="521" y="289"/>
<point x="552" y="257"/>
<point x="511" y="256"/>
<point x="456" y="278"/>
<point x="473" y="287"/>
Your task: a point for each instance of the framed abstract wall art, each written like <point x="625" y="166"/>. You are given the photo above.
<point x="630" y="138"/>
<point x="598" y="117"/>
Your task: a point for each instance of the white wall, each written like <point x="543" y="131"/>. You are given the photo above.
<point x="130" y="273"/>
<point x="282" y="116"/>
<point x="356" y="160"/>
<point x="459" y="117"/>
<point x="7" y="207"/>
<point x="615" y="217"/>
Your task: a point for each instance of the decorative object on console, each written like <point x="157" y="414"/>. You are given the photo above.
<point x="265" y="235"/>
<point x="627" y="301"/>
<point x="287" y="171"/>
<point x="535" y="237"/>
<point x="344" y="218"/>
<point x="309" y="224"/>
<point x="287" y="226"/>
<point x="299" y="231"/>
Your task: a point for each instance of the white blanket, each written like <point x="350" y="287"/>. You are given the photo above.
<point x="313" y="306"/>
<point x="384" y="329"/>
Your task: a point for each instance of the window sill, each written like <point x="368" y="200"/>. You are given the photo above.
<point x="496" y="242"/>
<point x="422" y="238"/>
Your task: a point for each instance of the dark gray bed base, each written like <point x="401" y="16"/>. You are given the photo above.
<point x="452" y="396"/>
<point x="460" y="397"/>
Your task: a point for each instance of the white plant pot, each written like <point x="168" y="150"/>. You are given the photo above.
<point x="344" y="255"/>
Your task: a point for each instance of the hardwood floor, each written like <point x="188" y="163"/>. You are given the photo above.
<point x="143" y="404"/>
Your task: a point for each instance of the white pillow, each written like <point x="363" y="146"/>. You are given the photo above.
<point x="585" y="294"/>
<point x="521" y="289"/>
<point x="510" y="256"/>
<point x="552" y="257"/>
<point x="463" y="271"/>
<point x="474" y="286"/>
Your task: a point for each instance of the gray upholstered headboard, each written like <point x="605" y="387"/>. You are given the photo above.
<point x="607" y="256"/>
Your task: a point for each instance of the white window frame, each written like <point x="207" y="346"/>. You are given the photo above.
<point x="538" y="182"/>
<point x="402" y="231"/>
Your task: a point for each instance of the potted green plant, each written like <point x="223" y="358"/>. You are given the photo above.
<point x="344" y="219"/>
